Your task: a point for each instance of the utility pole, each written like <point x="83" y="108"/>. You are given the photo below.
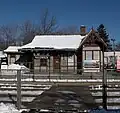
<point x="18" y="89"/>
<point x="104" y="84"/>
<point x="113" y="44"/>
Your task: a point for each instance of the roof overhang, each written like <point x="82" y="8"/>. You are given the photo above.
<point x="57" y="42"/>
<point x="98" y="37"/>
<point x="47" y="50"/>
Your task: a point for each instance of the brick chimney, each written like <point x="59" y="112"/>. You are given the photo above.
<point x="82" y="30"/>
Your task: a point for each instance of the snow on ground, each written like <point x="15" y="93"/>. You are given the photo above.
<point x="12" y="69"/>
<point x="26" y="99"/>
<point x="13" y="66"/>
<point x="9" y="87"/>
<point x="39" y="92"/>
<point x="109" y="100"/>
<point x="117" y="99"/>
<point x="108" y="94"/>
<point x="23" y="99"/>
<point x="59" y="80"/>
<point x="8" y="108"/>
<point x="22" y="92"/>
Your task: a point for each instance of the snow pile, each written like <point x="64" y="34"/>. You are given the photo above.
<point x="2" y="55"/>
<point x="8" y="108"/>
<point x="12" y="49"/>
<point x="17" y="67"/>
<point x="4" y="67"/>
<point x="12" y="69"/>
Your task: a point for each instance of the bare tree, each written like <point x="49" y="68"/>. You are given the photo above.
<point x="28" y="31"/>
<point x="8" y="34"/>
<point x="69" y="30"/>
<point x="48" y="23"/>
<point x="117" y="47"/>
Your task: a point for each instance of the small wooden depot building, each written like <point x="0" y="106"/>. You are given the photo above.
<point x="64" y="53"/>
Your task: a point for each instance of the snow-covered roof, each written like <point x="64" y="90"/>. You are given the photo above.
<point x="55" y="42"/>
<point x="14" y="67"/>
<point x="12" y="49"/>
<point x="2" y="55"/>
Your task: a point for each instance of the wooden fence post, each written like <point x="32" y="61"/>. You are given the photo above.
<point x="18" y="89"/>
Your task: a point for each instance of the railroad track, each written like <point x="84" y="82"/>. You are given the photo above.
<point x="8" y="85"/>
<point x="60" y="76"/>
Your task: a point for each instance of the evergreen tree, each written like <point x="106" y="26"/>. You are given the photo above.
<point x="117" y="47"/>
<point x="103" y="34"/>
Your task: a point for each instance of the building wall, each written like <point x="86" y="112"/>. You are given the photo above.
<point x="92" y="54"/>
<point x="37" y="64"/>
<point x="12" y="58"/>
<point x="89" y="53"/>
<point x="72" y="63"/>
<point x="69" y="64"/>
<point x="72" y="67"/>
<point x="110" y="56"/>
<point x="66" y="64"/>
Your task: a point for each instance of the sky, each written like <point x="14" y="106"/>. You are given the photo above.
<point x="90" y="13"/>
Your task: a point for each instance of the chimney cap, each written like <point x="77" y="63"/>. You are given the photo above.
<point x="82" y="29"/>
<point x="82" y="26"/>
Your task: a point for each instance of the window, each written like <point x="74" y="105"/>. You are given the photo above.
<point x="12" y="56"/>
<point x="71" y="60"/>
<point x="88" y="55"/>
<point x="43" y="62"/>
<point x="96" y="55"/>
<point x="12" y="59"/>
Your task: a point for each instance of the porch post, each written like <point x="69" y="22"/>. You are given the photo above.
<point x="100" y="59"/>
<point x="67" y="62"/>
<point x="74" y="62"/>
<point x="49" y="67"/>
<point x="59" y="63"/>
<point x="33" y="62"/>
<point x="32" y="66"/>
<point x="92" y="55"/>
<point x="40" y="65"/>
<point x="85" y="54"/>
<point x="79" y="62"/>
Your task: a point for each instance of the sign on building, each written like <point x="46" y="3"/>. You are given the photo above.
<point x="118" y="65"/>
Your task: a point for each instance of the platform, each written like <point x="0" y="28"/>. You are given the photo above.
<point x="65" y="97"/>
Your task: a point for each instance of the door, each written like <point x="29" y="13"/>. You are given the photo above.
<point x="56" y="63"/>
